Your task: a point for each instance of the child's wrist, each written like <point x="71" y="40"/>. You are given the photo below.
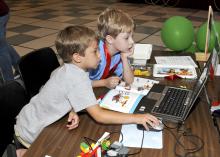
<point x="124" y="57"/>
<point x="135" y="118"/>
<point x="105" y="82"/>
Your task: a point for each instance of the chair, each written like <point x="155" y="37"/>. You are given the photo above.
<point x="12" y="98"/>
<point x="35" y="69"/>
<point x="1" y="77"/>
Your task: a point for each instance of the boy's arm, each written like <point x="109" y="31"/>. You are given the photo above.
<point x="98" y="83"/>
<point x="128" y="75"/>
<point x="111" y="117"/>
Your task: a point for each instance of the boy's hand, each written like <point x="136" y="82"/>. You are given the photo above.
<point x="112" y="82"/>
<point x="147" y="118"/>
<point x="73" y="121"/>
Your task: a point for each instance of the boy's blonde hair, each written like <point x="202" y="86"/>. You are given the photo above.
<point x="114" y="21"/>
<point x="74" y="39"/>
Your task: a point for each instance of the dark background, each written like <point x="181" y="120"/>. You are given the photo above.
<point x="193" y="4"/>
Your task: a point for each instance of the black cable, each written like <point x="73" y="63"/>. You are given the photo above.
<point x="166" y="3"/>
<point x="87" y="142"/>
<point x="142" y="141"/>
<point x="151" y="2"/>
<point x="188" y="151"/>
<point x="216" y="6"/>
<point x="162" y="2"/>
<point x="86" y="139"/>
<point x="138" y="152"/>
<point x="120" y="134"/>
<point x="175" y="127"/>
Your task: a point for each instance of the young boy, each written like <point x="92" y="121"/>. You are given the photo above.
<point x="115" y="30"/>
<point x="69" y="88"/>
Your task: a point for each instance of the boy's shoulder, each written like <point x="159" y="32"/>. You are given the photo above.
<point x="70" y="70"/>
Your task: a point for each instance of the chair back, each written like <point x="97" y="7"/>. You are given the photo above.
<point x="1" y="77"/>
<point x="35" y="69"/>
<point x="12" y="98"/>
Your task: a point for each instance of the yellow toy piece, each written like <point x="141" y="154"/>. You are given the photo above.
<point x="92" y="145"/>
<point x="138" y="72"/>
<point x="84" y="147"/>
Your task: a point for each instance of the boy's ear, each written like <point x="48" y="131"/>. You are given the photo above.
<point x="76" y="57"/>
<point x="109" y="39"/>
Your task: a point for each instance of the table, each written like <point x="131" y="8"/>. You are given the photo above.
<point x="57" y="141"/>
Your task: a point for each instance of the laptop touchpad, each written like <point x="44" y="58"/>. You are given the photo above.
<point x="154" y="95"/>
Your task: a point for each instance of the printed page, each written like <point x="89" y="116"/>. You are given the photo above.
<point x="167" y="70"/>
<point x="175" y="60"/>
<point x="140" y="85"/>
<point x="121" y="101"/>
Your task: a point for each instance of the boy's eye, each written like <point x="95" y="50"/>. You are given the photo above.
<point x="96" y="50"/>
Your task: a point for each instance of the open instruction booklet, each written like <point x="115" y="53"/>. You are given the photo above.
<point x="125" y="98"/>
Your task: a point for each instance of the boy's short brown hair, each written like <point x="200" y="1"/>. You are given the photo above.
<point x="114" y="21"/>
<point x="73" y="39"/>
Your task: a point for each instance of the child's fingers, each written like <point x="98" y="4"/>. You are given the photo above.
<point x="145" y="126"/>
<point x="73" y="125"/>
<point x="153" y="118"/>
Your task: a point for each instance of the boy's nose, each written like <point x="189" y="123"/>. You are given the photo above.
<point x="131" y="40"/>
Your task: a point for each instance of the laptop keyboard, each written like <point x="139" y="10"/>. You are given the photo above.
<point x="173" y="102"/>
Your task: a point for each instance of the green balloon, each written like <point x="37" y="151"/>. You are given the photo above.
<point x="191" y="49"/>
<point x="201" y="36"/>
<point x="217" y="27"/>
<point x="177" y="33"/>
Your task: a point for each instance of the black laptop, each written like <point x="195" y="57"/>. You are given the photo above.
<point x="172" y="103"/>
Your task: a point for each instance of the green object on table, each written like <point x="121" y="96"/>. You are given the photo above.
<point x="191" y="49"/>
<point x="177" y="33"/>
<point x="201" y="36"/>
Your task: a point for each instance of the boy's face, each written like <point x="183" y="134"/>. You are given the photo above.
<point x="92" y="56"/>
<point x="124" y="42"/>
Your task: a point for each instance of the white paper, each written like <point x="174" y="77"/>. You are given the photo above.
<point x="132" y="137"/>
<point x="175" y="60"/>
<point x="142" y="52"/>
<point x="215" y="62"/>
<point x="218" y="70"/>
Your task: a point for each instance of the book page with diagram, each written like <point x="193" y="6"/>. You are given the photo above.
<point x="125" y="98"/>
<point x="121" y="101"/>
<point x="139" y="86"/>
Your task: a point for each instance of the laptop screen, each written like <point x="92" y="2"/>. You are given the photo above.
<point x="200" y="82"/>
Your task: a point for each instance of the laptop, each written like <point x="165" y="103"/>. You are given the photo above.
<point x="173" y="103"/>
